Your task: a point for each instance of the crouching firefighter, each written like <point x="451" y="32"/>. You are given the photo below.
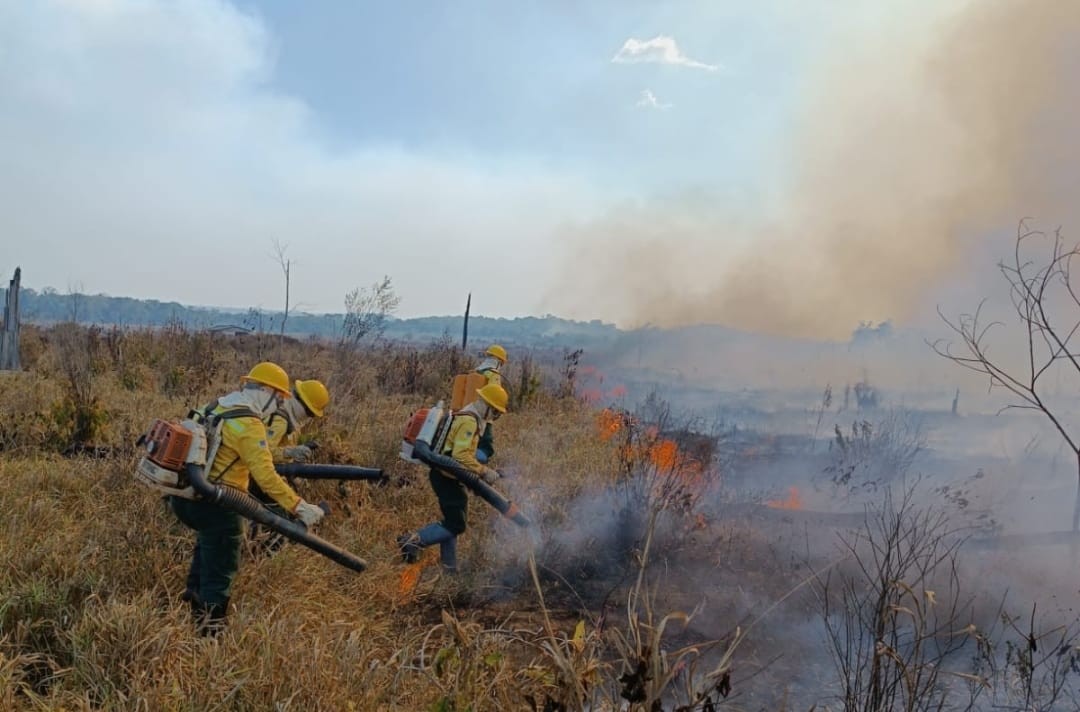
<point x="309" y="401"/>
<point x="243" y="454"/>
<point x="461" y="442"/>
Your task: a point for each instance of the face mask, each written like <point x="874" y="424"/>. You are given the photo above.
<point x="296" y="412"/>
<point x="271" y="403"/>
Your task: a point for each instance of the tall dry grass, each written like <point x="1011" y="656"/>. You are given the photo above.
<point x="92" y="564"/>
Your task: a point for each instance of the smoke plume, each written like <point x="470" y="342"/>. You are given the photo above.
<point x="911" y="148"/>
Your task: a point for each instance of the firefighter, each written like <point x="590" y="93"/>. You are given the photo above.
<point x="243" y="455"/>
<point x="309" y="400"/>
<point x="461" y="443"/>
<point x="491" y="369"/>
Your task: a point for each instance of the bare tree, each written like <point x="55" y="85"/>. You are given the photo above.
<point x="281" y="255"/>
<point x="367" y="311"/>
<point x="1046" y="300"/>
<point x="75" y="299"/>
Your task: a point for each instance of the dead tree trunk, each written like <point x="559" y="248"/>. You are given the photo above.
<point x="465" y="326"/>
<point x="9" y="332"/>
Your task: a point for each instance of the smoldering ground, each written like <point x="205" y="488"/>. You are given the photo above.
<point x="919" y="144"/>
<point x="739" y="564"/>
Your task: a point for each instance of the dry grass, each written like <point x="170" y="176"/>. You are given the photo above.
<point x="92" y="566"/>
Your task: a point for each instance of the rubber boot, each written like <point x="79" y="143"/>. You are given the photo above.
<point x="194" y="601"/>
<point x="409" y="547"/>
<point x="210" y="621"/>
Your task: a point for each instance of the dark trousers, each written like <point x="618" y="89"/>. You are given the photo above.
<point x="267" y="540"/>
<point x="453" y="501"/>
<point x="216" y="558"/>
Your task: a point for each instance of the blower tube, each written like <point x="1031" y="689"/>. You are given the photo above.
<point x="472" y="481"/>
<point x="247" y="506"/>
<point x="329" y="472"/>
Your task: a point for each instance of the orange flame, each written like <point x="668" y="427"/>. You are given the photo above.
<point x="792" y="501"/>
<point x="677" y="474"/>
<point x="664" y="454"/>
<point x="410" y="577"/>
<point x="609" y="423"/>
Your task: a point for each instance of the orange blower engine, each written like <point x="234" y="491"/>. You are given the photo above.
<point x="169" y="447"/>
<point x="428" y="425"/>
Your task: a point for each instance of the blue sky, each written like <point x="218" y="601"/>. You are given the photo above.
<point x="633" y="161"/>
<point x="535" y="82"/>
<point x="412" y="139"/>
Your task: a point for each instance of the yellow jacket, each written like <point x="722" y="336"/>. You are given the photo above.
<point x="461" y="441"/>
<point x="245" y="453"/>
<point x="279" y="437"/>
<point x="491" y="375"/>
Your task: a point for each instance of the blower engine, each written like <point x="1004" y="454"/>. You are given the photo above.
<point x="169" y="447"/>
<point x="428" y="425"/>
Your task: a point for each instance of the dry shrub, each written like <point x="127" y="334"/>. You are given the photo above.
<point x="904" y="633"/>
<point x="526" y="379"/>
<point x="414" y="370"/>
<point x="25" y="425"/>
<point x="32" y="345"/>
<point x="897" y="618"/>
<point x="873" y="455"/>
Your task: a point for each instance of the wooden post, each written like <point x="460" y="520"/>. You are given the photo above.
<point x="9" y="332"/>
<point x="465" y="327"/>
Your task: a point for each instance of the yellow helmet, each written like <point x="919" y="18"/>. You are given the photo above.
<point x="269" y="374"/>
<point x="497" y="351"/>
<point x="313" y="395"/>
<point x="494" y="395"/>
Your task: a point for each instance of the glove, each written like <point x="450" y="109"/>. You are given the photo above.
<point x="309" y="514"/>
<point x="298" y="453"/>
<point x="491" y="475"/>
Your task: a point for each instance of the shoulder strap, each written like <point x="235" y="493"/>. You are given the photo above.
<point x="469" y="414"/>
<point x="450" y="424"/>
<point x="202" y="414"/>
<point x="238" y="412"/>
<point x="214" y="420"/>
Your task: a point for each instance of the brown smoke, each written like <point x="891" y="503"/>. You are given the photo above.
<point x="908" y="152"/>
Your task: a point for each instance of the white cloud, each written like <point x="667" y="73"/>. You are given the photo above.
<point x="648" y="100"/>
<point x="147" y="153"/>
<point x="661" y="50"/>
